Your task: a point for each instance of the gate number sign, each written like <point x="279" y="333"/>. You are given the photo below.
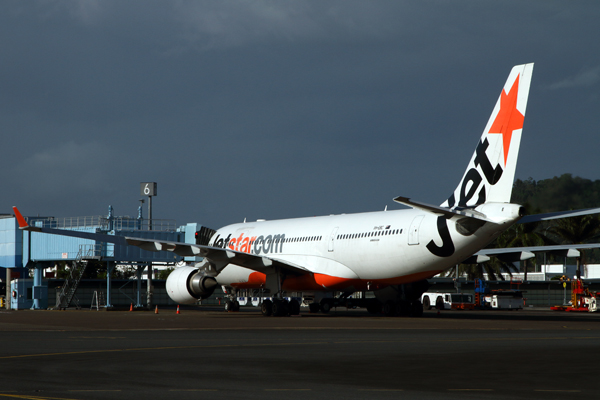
<point x="148" y="188"/>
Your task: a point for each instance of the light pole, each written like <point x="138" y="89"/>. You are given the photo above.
<point x="149" y="189"/>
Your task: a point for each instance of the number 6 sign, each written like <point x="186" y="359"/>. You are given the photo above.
<point x="148" y="188"/>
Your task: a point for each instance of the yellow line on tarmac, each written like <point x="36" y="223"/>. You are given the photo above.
<point x="216" y="346"/>
<point x="97" y="337"/>
<point x="95" y="390"/>
<point x="23" y="396"/>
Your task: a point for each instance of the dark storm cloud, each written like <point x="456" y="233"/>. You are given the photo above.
<point x="265" y="109"/>
<point x="588" y="77"/>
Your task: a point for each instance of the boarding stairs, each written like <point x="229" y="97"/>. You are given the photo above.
<point x="66" y="295"/>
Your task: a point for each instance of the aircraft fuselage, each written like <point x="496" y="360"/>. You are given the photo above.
<point x="353" y="251"/>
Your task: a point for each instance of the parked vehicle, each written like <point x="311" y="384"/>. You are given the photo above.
<point x="448" y="301"/>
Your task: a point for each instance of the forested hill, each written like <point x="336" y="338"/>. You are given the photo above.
<point x="564" y="192"/>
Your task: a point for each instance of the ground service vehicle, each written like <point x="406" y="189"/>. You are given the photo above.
<point x="448" y="301"/>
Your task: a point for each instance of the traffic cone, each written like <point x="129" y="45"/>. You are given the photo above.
<point x="178" y="309"/>
<point x="156" y="310"/>
<point x="131" y="307"/>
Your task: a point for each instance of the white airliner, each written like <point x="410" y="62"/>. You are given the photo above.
<point x="391" y="253"/>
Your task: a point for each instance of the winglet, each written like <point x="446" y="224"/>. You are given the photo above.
<point x="20" y="219"/>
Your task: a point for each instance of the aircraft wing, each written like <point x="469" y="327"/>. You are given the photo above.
<point x="512" y="254"/>
<point x="216" y="256"/>
<point x="557" y="215"/>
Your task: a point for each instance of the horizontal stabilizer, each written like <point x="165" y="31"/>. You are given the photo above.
<point x="442" y="210"/>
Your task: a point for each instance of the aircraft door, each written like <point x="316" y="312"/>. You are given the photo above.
<point x="413" y="232"/>
<point x="332" y="237"/>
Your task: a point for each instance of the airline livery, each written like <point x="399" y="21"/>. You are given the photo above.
<point x="391" y="253"/>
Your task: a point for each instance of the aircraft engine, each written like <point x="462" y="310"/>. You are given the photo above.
<point x="186" y="285"/>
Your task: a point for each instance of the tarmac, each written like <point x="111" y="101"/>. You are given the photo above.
<point x="208" y="353"/>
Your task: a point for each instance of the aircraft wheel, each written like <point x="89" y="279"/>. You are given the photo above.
<point x="325" y="307"/>
<point x="228" y="306"/>
<point x="403" y="308"/>
<point x="439" y="303"/>
<point x="426" y="303"/>
<point x="389" y="308"/>
<point x="294" y="307"/>
<point x="416" y="309"/>
<point x="374" y="307"/>
<point x="266" y="308"/>
<point x="279" y="308"/>
<point x="236" y="306"/>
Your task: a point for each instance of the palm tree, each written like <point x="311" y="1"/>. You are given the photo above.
<point x="524" y="235"/>
<point x="577" y="230"/>
<point x="494" y="268"/>
<point x="520" y="235"/>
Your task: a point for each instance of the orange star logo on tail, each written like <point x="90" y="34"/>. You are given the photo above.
<point x="508" y="118"/>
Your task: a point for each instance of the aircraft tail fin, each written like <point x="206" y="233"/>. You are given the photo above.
<point x="490" y="174"/>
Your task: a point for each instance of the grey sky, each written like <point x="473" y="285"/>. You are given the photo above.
<point x="273" y="109"/>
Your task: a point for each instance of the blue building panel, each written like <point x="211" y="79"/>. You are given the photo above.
<point x="45" y="247"/>
<point x="11" y="243"/>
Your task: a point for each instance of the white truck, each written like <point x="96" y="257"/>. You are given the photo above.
<point x="448" y="301"/>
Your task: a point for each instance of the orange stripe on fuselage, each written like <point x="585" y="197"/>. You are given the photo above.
<point x="327" y="282"/>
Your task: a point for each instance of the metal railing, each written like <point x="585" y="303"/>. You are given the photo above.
<point x="95" y="251"/>
<point x="162" y="225"/>
<point x="102" y="223"/>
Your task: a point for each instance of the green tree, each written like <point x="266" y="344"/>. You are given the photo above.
<point x="62" y="272"/>
<point x="494" y="268"/>
<point x="164" y="274"/>
<point x="565" y="192"/>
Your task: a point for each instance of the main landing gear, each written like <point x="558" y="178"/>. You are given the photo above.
<point x="402" y="308"/>
<point x="280" y="307"/>
<point x="389" y="308"/>
<point x="232" y="305"/>
<point x="397" y="300"/>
